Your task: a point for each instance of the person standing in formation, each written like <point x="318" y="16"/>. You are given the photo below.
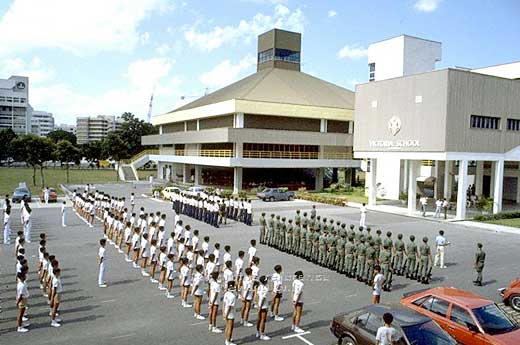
<point x="228" y="311"/>
<point x="63" y="214"/>
<point x="7" y="225"/>
<point x="297" y="301"/>
<point x="102" y="258"/>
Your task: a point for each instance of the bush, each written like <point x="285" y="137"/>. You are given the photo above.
<point x="403" y="196"/>
<point x="485" y="204"/>
<point x="501" y="215"/>
<point x="226" y="193"/>
<point x="338" y="200"/>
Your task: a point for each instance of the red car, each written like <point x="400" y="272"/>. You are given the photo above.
<point x="511" y="294"/>
<point x="53" y="196"/>
<point x="468" y="317"/>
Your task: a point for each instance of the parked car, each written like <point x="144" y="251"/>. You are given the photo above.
<point x="20" y="192"/>
<point x="53" y="196"/>
<point x="167" y="192"/>
<point x="275" y="194"/>
<point x="197" y="191"/>
<point x="471" y="319"/>
<point x="359" y="327"/>
<point x="511" y="294"/>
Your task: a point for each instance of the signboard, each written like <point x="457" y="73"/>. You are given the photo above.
<point x="394" y="125"/>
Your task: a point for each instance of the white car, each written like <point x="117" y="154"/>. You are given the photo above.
<point x="197" y="191"/>
<point x="168" y="191"/>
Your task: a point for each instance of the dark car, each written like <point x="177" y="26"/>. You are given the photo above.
<point x="275" y="194"/>
<point x="359" y="327"/>
<point x="19" y="193"/>
<point x="511" y="294"/>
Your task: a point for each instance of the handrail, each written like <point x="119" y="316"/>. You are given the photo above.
<point x="141" y="154"/>
<point x="295" y="155"/>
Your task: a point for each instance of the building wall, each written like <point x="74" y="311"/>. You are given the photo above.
<point x="15" y="111"/>
<point x="43" y="122"/>
<point x="96" y="128"/>
<point x="173" y="127"/>
<point x="334" y="126"/>
<point x="216" y="122"/>
<point x="281" y="123"/>
<point x="477" y="94"/>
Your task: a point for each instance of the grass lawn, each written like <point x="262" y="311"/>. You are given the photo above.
<point x="514" y="222"/>
<point x="10" y="177"/>
<point x="351" y="197"/>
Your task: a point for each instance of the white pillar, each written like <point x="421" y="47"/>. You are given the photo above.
<point x="185" y="173"/>
<point x="198" y="124"/>
<point x="461" y="189"/>
<point x="498" y="187"/>
<point x="412" y="187"/>
<point x="238" y="149"/>
<point x="447" y="180"/>
<point x="436" y="193"/>
<point x="492" y="179"/>
<point x="318" y="179"/>
<point x="198" y="174"/>
<point x="372" y="188"/>
<point x="479" y="177"/>
<point x="238" y="120"/>
<point x="160" y="172"/>
<point x="323" y="125"/>
<point x="237" y="180"/>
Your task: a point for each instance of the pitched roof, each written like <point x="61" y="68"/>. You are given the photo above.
<point x="276" y="85"/>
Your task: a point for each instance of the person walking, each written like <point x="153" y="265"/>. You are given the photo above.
<point x="438" y="208"/>
<point x="480" y="258"/>
<point x="441" y="243"/>
<point x="445" y="206"/>
<point x="102" y="258"/>
<point x="424" y="203"/>
<point x="377" y="286"/>
<point x="63" y="214"/>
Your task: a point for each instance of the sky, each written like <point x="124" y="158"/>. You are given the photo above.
<point x="106" y="57"/>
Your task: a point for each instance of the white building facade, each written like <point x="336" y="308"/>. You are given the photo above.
<point x="15" y="111"/>
<point x="42" y="123"/>
<point x="95" y="128"/>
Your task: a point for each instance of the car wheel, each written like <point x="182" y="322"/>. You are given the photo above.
<point x="514" y="302"/>
<point x="271" y="199"/>
<point x="347" y="340"/>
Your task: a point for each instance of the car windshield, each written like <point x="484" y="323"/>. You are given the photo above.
<point x="20" y="190"/>
<point x="266" y="190"/>
<point x="493" y="320"/>
<point x="427" y="333"/>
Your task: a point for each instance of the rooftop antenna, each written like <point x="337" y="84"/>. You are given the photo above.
<point x="150" y="106"/>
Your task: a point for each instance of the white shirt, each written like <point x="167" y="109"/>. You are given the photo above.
<point x="438" y="203"/>
<point x="198" y="284"/>
<point x="229" y="304"/>
<point x="378" y="284"/>
<point x="255" y="270"/>
<point x="185" y="276"/>
<point x="101" y="254"/>
<point x="277" y="282"/>
<point x="21" y="290"/>
<point x="297" y="287"/>
<point x="169" y="270"/>
<point x="210" y="267"/>
<point x="423" y="201"/>
<point x="247" y="288"/>
<point x="56" y="284"/>
<point x="252" y="252"/>
<point x="214" y="288"/>
<point x="239" y="265"/>
<point x="205" y="247"/>
<point x="386" y="335"/>
<point x="226" y="257"/>
<point x="262" y="292"/>
<point x="228" y="276"/>
<point x="440" y="240"/>
<point x="363" y="210"/>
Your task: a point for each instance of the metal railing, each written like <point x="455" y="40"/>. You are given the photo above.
<point x="295" y="155"/>
<point x="141" y="154"/>
<point x="205" y="153"/>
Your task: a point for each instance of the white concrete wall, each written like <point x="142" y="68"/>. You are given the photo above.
<point x="388" y="178"/>
<point x="420" y="55"/>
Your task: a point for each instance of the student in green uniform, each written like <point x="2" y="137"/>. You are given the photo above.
<point x="412" y="256"/>
<point x="296" y="238"/>
<point x="370" y="262"/>
<point x="303" y="238"/>
<point x="305" y="220"/>
<point x="349" y="256"/>
<point x="297" y="218"/>
<point x="308" y="243"/>
<point x="315" y="246"/>
<point x="322" y="248"/>
<point x="480" y="259"/>
<point x="385" y="258"/>
<point x="361" y="258"/>
<point x="350" y="231"/>
<point x="313" y="211"/>
<point x="332" y="250"/>
<point x="340" y="257"/>
<point x="425" y="260"/>
<point x="378" y="243"/>
<point x="263" y="224"/>
<point x="289" y="237"/>
<point x="270" y="230"/>
<point x="399" y="255"/>
<point x="277" y="229"/>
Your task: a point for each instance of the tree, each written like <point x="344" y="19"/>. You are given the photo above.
<point x="93" y="151"/>
<point x="7" y="135"/>
<point x="59" y="135"/>
<point x="35" y="151"/>
<point x="114" y="147"/>
<point x="131" y="131"/>
<point x="65" y="152"/>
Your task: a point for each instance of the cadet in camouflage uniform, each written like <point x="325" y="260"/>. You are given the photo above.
<point x="289" y="237"/>
<point x="343" y="230"/>
<point x="263" y="223"/>
<point x="315" y="246"/>
<point x="411" y="258"/>
<point x="358" y="235"/>
<point x="305" y="220"/>
<point x="399" y="255"/>
<point x="296" y="238"/>
<point x="313" y="211"/>
<point x="270" y="230"/>
<point x="340" y="249"/>
<point x="318" y="224"/>
<point x="331" y="225"/>
<point x="331" y="244"/>
<point x="378" y="243"/>
<point x="297" y="218"/>
<point x="303" y="236"/>
<point x="350" y="231"/>
<point x="324" y="226"/>
<point x="308" y="244"/>
<point x="368" y="235"/>
<point x="361" y="258"/>
<point x="480" y="260"/>
<point x="370" y="262"/>
<point x="277" y="229"/>
<point x="322" y="248"/>
<point x="425" y="260"/>
<point x="312" y="222"/>
<point x="385" y="258"/>
<point x="349" y="257"/>
<point x="281" y="236"/>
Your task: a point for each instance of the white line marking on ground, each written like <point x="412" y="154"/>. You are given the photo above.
<point x="295" y="335"/>
<point x="124" y="336"/>
<point x="313" y="302"/>
<point x="349" y="296"/>
<point x="108" y="301"/>
<point x="303" y="339"/>
<point x="199" y="323"/>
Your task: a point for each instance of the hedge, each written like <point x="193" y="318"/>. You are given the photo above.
<point x="502" y="215"/>
<point x="331" y="200"/>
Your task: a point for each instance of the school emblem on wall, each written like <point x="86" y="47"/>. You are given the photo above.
<point x="394" y="124"/>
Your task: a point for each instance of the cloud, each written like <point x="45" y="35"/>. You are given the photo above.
<point x="141" y="78"/>
<point x="352" y="52"/>
<point x="78" y="27"/>
<point x="35" y="69"/>
<point x="427" y="5"/>
<point x="226" y="72"/>
<point x="246" y="30"/>
<point x="163" y="49"/>
<point x="332" y="13"/>
<point x="144" y="38"/>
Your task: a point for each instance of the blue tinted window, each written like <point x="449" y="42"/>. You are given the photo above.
<point x="287" y="55"/>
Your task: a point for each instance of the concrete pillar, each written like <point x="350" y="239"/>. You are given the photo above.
<point x="168" y="172"/>
<point x="323" y="125"/>
<point x="498" y="187"/>
<point x="492" y="179"/>
<point x="238" y="120"/>
<point x="436" y="189"/>
<point x="238" y="149"/>
<point x="318" y="180"/>
<point x="237" y="180"/>
<point x="479" y="177"/>
<point x="198" y="174"/>
<point x="447" y="180"/>
<point x="160" y="171"/>
<point x="198" y="124"/>
<point x="335" y="175"/>
<point x="186" y="173"/>
<point x="185" y="126"/>
<point x="461" y="189"/>
<point x="412" y="187"/>
<point x="160" y="129"/>
<point x="372" y="187"/>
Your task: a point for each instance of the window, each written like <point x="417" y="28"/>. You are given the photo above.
<point x="372" y="71"/>
<point x="437" y="306"/>
<point x="287" y="55"/>
<point x="420" y="301"/>
<point x="461" y="316"/>
<point x="370" y="322"/>
<point x="485" y="122"/>
<point x="493" y="320"/>
<point x="265" y="56"/>
<point x="513" y="125"/>
<point x="22" y="100"/>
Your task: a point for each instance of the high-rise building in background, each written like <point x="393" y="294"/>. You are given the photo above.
<point x="95" y="128"/>
<point x="15" y="111"/>
<point x="42" y="123"/>
<point x="65" y="127"/>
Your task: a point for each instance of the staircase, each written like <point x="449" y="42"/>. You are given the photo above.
<point x="128" y="169"/>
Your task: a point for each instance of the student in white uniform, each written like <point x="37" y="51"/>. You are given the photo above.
<point x="136" y="246"/>
<point x="185" y="282"/>
<point x="56" y="291"/>
<point x="213" y="302"/>
<point x="153" y="260"/>
<point x="22" y="293"/>
<point x="276" y="278"/>
<point x="169" y="276"/>
<point x="145" y="254"/>
<point x="239" y="269"/>
<point x="227" y="274"/>
<point x="197" y="290"/>
<point x="247" y="297"/>
<point x="102" y="259"/>
<point x="63" y="214"/>
<point x="263" y="306"/>
<point x="228" y="311"/>
<point x="252" y="250"/>
<point x="377" y="286"/>
<point x="297" y="301"/>
<point x="363" y="215"/>
<point x="27" y="223"/>
<point x="7" y="225"/>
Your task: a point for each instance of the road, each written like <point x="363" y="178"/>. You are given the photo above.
<point x="132" y="310"/>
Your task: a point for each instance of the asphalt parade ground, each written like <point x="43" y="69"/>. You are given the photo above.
<point x="133" y="311"/>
